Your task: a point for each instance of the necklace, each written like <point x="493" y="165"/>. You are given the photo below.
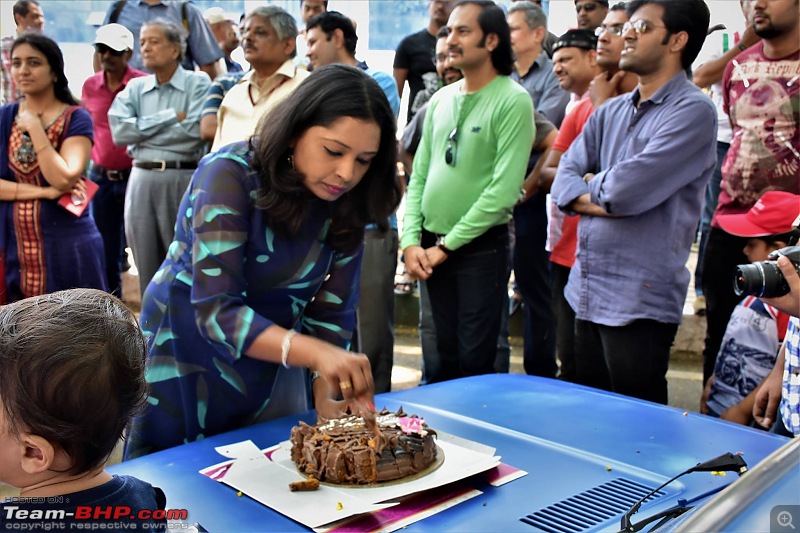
<point x="26" y="154"/>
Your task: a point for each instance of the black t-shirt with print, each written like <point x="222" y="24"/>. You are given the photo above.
<point x="417" y="52"/>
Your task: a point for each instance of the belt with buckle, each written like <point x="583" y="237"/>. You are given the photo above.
<point x="160" y="165"/>
<point x="111" y="175"/>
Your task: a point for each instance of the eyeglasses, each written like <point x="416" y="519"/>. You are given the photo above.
<point x="640" y="26"/>
<point x="103" y="49"/>
<point x="585" y="7"/>
<point x="615" y="29"/>
<point x="452" y="146"/>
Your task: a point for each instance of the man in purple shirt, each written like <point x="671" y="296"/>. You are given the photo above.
<point x="637" y="175"/>
<point x="110" y="165"/>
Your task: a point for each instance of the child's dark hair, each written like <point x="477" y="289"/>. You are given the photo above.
<point x="788" y="238"/>
<point x="72" y="371"/>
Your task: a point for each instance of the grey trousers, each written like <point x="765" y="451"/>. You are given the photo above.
<point x="151" y="208"/>
<point x="375" y="316"/>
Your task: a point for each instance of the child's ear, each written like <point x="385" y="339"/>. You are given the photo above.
<point x="38" y="454"/>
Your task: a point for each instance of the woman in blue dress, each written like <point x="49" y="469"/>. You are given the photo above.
<point x="268" y="242"/>
<point x="45" y="140"/>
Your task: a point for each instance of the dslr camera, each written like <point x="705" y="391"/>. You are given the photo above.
<point x="765" y="278"/>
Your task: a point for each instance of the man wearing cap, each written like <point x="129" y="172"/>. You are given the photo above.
<point x="590" y="13"/>
<point x="636" y="175"/>
<point x="755" y="330"/>
<point x="28" y="16"/>
<point x="575" y="66"/>
<point x="268" y="42"/>
<point x="110" y="165"/>
<point x="225" y="32"/>
<point x="158" y="118"/>
<point x="534" y="71"/>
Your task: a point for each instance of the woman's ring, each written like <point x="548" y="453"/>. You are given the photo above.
<point x="344" y="385"/>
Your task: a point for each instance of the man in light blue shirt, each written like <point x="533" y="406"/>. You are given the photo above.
<point x="158" y="118"/>
<point x="637" y="175"/>
<point x="332" y="39"/>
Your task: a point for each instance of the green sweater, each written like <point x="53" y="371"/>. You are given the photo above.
<point x="495" y="134"/>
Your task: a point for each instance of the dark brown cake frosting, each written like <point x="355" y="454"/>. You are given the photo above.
<point x="346" y="451"/>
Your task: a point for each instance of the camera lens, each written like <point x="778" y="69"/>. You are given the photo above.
<point x="760" y="279"/>
<point x="749" y="279"/>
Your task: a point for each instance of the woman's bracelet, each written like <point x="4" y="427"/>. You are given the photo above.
<point x="16" y="191"/>
<point x="286" y="345"/>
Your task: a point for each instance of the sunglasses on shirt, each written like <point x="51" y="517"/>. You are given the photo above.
<point x="103" y="49"/>
<point x="452" y="146"/>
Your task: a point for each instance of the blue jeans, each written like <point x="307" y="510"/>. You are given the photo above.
<point x="108" y="211"/>
<point x="466" y="295"/>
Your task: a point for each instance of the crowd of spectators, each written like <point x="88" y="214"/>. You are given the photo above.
<point x="589" y="164"/>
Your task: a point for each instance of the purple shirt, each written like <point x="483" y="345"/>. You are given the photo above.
<point x="651" y="165"/>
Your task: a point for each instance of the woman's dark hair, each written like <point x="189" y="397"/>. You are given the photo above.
<point x="73" y="372"/>
<point x="49" y="48"/>
<point x="691" y="16"/>
<point x="328" y="94"/>
<point x="492" y="19"/>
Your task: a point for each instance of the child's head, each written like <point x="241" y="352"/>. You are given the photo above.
<point x="768" y="224"/>
<point x="72" y="378"/>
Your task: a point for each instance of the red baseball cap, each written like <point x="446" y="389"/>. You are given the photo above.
<point x="773" y="214"/>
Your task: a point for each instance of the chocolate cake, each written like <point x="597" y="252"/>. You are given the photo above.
<point x="347" y="451"/>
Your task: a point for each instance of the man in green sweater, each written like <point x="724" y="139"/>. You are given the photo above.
<point x="468" y="172"/>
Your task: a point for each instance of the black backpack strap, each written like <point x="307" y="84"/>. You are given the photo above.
<point x="119" y="5"/>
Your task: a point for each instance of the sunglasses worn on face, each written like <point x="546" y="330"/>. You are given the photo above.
<point x="452" y="146"/>
<point x="640" y="26"/>
<point x="103" y="49"/>
<point x="586" y="7"/>
<point x="615" y="29"/>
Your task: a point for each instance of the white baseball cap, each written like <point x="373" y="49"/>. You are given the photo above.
<point x="214" y="15"/>
<point x="115" y="36"/>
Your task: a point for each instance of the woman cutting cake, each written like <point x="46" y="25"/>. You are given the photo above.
<point x="268" y="242"/>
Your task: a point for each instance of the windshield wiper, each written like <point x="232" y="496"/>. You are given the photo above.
<point x="724" y="463"/>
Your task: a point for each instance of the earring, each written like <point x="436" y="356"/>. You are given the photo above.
<point x="290" y="160"/>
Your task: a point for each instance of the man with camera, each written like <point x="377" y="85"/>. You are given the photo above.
<point x="755" y="329"/>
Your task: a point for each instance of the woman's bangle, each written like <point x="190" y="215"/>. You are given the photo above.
<point x="286" y="345"/>
<point x="16" y="191"/>
<point x="42" y="149"/>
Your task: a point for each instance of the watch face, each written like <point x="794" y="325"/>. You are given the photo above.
<point x="440" y="240"/>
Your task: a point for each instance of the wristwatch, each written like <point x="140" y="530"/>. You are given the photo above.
<point x="441" y="246"/>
